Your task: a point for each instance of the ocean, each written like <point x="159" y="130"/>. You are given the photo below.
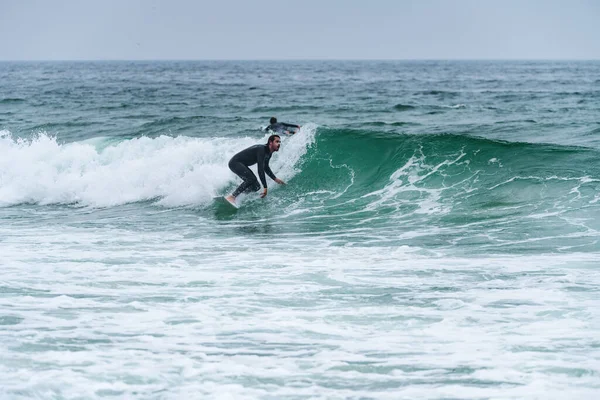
<point x="438" y="236"/>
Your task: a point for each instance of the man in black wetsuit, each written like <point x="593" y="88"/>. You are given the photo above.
<point x="280" y="127"/>
<point x="261" y="154"/>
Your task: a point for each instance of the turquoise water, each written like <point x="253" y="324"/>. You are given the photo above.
<point x="437" y="238"/>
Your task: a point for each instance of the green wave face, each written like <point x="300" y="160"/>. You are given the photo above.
<point x="446" y="190"/>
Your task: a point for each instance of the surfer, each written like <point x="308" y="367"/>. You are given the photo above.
<point x="281" y="127"/>
<point x="261" y="154"/>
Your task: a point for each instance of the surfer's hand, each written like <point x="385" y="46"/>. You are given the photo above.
<point x="280" y="181"/>
<point x="264" y="193"/>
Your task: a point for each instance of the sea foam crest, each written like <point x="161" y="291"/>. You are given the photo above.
<point x="174" y="171"/>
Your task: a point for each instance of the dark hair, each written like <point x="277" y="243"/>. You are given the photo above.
<point x="272" y="138"/>
<point x="273" y="120"/>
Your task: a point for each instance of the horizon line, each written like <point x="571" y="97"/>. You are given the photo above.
<point x="290" y="59"/>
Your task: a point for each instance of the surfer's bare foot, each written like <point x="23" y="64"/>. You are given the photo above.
<point x="230" y="198"/>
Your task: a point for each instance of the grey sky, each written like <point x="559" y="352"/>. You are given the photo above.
<point x="301" y="29"/>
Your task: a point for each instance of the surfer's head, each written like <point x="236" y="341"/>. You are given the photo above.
<point x="273" y="120"/>
<point x="274" y="143"/>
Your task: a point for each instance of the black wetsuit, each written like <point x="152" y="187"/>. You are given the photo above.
<point x="241" y="161"/>
<point x="280" y="127"/>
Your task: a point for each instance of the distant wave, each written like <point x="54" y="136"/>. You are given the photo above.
<point x="403" y="107"/>
<point x="9" y="100"/>
<point x="439" y="93"/>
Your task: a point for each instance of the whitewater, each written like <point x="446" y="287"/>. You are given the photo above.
<point x="438" y="236"/>
<point x="177" y="170"/>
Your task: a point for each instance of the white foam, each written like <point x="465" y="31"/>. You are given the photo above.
<point x="225" y="315"/>
<point x="177" y="171"/>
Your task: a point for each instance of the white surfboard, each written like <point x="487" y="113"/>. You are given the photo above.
<point x="223" y="200"/>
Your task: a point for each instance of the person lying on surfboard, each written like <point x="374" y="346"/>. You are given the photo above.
<point x="280" y="127"/>
<point x="258" y="154"/>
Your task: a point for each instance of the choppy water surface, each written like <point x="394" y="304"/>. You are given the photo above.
<point x="437" y="238"/>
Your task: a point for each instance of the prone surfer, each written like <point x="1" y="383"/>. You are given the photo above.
<point x="281" y="127"/>
<point x="258" y="154"/>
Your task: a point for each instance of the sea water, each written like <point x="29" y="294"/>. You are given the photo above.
<point x="438" y="236"/>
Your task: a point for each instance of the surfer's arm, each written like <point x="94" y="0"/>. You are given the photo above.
<point x="289" y="131"/>
<point x="272" y="175"/>
<point x="261" y="166"/>
<point x="269" y="172"/>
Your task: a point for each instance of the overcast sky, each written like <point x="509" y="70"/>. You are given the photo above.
<point x="301" y="29"/>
